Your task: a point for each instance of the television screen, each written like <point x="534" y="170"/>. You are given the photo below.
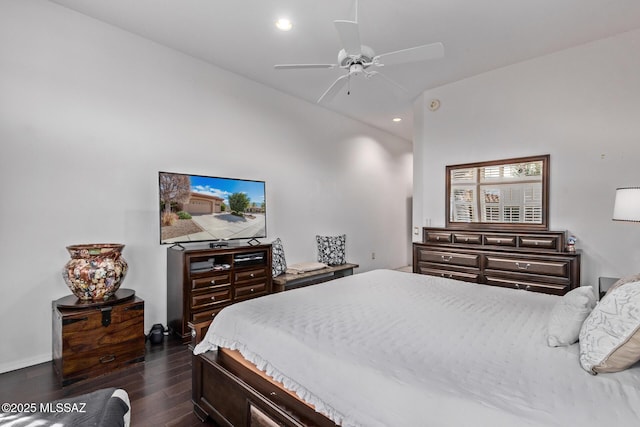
<point x="196" y="208"/>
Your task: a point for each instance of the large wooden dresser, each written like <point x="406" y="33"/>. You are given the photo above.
<point x="534" y="261"/>
<point x="201" y="282"/>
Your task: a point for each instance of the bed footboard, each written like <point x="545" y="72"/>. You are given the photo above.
<point x="233" y="395"/>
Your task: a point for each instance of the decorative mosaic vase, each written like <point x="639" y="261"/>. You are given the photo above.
<point x="95" y="271"/>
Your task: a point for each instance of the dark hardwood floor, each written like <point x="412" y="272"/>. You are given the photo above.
<point x="159" y="388"/>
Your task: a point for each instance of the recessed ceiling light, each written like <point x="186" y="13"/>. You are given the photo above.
<point x="397" y="119"/>
<point x="284" y="24"/>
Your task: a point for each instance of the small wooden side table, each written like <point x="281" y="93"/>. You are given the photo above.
<point x="96" y="337"/>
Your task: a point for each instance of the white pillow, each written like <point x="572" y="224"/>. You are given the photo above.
<point x="568" y="315"/>
<point x="610" y="336"/>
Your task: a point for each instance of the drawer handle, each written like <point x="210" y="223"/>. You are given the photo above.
<point x="213" y="298"/>
<point x="466" y="239"/>
<point x="252" y="275"/>
<point x="213" y="282"/>
<point x="498" y="241"/>
<point x="517" y="285"/>
<point x="252" y="289"/>
<point x="193" y="333"/>
<point x="108" y="358"/>
<point x="273" y="393"/>
<point x="446" y="258"/>
<point x="526" y="288"/>
<point x="437" y="237"/>
<point x="523" y="267"/>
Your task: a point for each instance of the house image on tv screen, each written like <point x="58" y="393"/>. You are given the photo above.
<point x="197" y="208"/>
<point x="202" y="204"/>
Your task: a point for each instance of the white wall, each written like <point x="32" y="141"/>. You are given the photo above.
<point x="89" y="114"/>
<point x="581" y="106"/>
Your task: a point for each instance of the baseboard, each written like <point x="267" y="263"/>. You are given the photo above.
<point x="23" y="363"/>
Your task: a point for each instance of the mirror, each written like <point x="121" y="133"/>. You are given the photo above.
<point x="510" y="193"/>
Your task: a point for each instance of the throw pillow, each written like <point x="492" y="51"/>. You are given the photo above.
<point x="568" y="314"/>
<point x="278" y="262"/>
<point x="331" y="249"/>
<point x="610" y="336"/>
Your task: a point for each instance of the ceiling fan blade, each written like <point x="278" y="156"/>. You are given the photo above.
<point x="412" y="54"/>
<point x="297" y="66"/>
<point x="398" y="90"/>
<point x="333" y="90"/>
<point x="349" y="37"/>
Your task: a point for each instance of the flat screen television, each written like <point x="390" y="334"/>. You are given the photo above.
<point x="197" y="208"/>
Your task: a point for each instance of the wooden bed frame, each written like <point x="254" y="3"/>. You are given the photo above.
<point x="234" y="393"/>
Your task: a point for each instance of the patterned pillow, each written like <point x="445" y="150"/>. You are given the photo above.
<point x="278" y="263"/>
<point x="610" y="336"/>
<point x="568" y="315"/>
<point x="331" y="249"/>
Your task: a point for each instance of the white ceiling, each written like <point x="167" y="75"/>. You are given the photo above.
<point x="240" y="36"/>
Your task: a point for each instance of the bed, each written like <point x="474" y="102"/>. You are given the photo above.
<point x="389" y="348"/>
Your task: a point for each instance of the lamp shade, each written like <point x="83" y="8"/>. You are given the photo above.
<point x="627" y="204"/>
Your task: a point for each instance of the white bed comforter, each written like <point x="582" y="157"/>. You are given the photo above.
<point x="387" y="348"/>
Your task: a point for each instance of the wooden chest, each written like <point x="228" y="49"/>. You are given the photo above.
<point x="95" y="340"/>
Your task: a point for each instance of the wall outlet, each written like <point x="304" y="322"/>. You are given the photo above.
<point x="416" y="230"/>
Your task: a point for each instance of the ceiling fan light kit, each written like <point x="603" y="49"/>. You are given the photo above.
<point x="356" y="58"/>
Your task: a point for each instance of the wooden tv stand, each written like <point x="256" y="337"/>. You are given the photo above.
<point x="201" y="282"/>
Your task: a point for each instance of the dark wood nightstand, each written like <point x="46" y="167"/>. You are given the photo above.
<point x="94" y="338"/>
<point x="604" y="283"/>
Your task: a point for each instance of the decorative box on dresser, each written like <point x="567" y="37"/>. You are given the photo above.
<point x="201" y="282"/>
<point x="94" y="338"/>
<point x="530" y="260"/>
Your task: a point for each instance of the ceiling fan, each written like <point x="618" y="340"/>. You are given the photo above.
<point x="357" y="58"/>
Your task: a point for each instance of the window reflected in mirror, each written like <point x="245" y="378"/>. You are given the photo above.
<point x="502" y="192"/>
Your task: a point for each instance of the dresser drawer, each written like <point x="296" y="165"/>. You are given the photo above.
<point x="542" y="242"/>
<point x="222" y="278"/>
<point x="245" y="276"/>
<point x="250" y="291"/>
<point x="525" y="265"/>
<point x="500" y="239"/>
<point x="217" y="296"/>
<point x="517" y="283"/>
<point x="433" y="270"/>
<point x="203" y="316"/>
<point x="471" y="239"/>
<point x="444" y="257"/>
<point x="437" y="237"/>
